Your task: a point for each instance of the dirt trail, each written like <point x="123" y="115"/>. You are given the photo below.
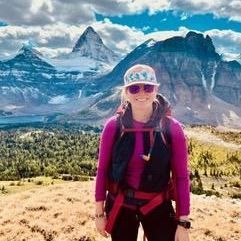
<point x="208" y="137"/>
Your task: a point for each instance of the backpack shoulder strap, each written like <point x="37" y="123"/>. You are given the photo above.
<point x="165" y="130"/>
<point x="118" y="126"/>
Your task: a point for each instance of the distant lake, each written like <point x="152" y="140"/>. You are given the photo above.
<point x="4" y="120"/>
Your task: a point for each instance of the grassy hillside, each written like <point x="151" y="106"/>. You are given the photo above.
<point x="214" y="156"/>
<point x="34" y="207"/>
<point x="65" y="212"/>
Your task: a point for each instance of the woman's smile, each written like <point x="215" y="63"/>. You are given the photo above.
<point x="141" y="99"/>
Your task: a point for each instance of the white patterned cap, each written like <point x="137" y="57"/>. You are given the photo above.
<point x="140" y="74"/>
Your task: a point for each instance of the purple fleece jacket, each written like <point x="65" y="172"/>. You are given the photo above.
<point x="136" y="164"/>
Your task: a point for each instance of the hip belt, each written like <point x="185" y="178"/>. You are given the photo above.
<point x="154" y="199"/>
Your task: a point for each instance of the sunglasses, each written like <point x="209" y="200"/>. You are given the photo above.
<point x="134" y="89"/>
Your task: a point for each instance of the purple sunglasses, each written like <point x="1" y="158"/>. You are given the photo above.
<point x="134" y="89"/>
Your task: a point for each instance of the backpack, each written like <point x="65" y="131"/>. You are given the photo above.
<point x="165" y="134"/>
<point x="115" y="187"/>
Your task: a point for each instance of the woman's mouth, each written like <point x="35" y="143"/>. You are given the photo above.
<point x="141" y="99"/>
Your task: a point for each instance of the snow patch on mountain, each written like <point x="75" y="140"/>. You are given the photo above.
<point x="60" y="99"/>
<point x="74" y="62"/>
<point x="213" y="76"/>
<point x="12" y="107"/>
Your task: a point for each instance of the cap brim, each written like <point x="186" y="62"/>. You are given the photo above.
<point x="142" y="82"/>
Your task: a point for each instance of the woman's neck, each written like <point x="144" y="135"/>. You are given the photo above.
<point x="142" y="115"/>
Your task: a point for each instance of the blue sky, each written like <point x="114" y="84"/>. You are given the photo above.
<point x="55" y="25"/>
<point x="170" y="20"/>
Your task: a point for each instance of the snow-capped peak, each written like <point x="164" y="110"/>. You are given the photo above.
<point x="90" y="45"/>
<point x="89" y="35"/>
<point x="28" y="49"/>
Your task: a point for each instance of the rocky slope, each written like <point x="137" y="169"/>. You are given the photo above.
<point x="202" y="88"/>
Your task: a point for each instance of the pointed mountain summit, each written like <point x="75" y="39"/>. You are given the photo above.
<point x="90" y="45"/>
<point x="28" y="51"/>
<point x="193" y="44"/>
<point x="200" y="45"/>
<point x="89" y="35"/>
<point x="29" y="59"/>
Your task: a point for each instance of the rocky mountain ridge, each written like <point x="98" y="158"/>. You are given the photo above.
<point x="201" y="86"/>
<point x="33" y="84"/>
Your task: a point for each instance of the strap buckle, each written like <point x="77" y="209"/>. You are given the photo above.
<point x="130" y="193"/>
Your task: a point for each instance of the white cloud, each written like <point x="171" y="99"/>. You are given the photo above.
<point x="55" y="25"/>
<point x="223" y="8"/>
<point x="145" y="28"/>
<point x="184" y="16"/>
<point x="36" y="5"/>
<point x="45" y="12"/>
<point x="163" y="20"/>
<point x="120" y="38"/>
<point x="50" y="38"/>
<point x="152" y="6"/>
<point x="52" y="53"/>
<point x="226" y="41"/>
<point x="162" y="35"/>
<point x="53" y="40"/>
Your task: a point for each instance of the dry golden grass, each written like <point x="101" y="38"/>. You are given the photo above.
<point x="64" y="212"/>
<point x="28" y="184"/>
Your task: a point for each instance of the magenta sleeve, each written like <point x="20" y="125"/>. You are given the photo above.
<point x="180" y="168"/>
<point x="104" y="158"/>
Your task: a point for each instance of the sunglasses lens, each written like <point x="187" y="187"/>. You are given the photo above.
<point x="134" y="89"/>
<point x="148" y="88"/>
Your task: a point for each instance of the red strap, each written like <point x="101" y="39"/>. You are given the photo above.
<point x="151" y="138"/>
<point x="152" y="204"/>
<point x="155" y="200"/>
<point x="114" y="212"/>
<point x="136" y="129"/>
<point x="145" y="195"/>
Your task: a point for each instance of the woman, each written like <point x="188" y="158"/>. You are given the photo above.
<point x="139" y="148"/>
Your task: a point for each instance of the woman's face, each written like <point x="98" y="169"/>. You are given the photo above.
<point x="141" y="95"/>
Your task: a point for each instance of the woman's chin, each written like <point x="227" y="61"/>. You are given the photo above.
<point x="142" y="104"/>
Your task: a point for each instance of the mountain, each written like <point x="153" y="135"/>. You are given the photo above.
<point x="33" y="84"/>
<point x="202" y="88"/>
<point x="91" y="45"/>
<point x="29" y="84"/>
<point x="89" y="56"/>
<point x="23" y="78"/>
<point x="29" y="59"/>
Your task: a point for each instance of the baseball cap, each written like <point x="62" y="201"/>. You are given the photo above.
<point x="140" y="74"/>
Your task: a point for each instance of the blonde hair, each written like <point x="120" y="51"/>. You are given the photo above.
<point x="123" y="96"/>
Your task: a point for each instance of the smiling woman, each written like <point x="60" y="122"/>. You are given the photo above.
<point x="140" y="147"/>
<point x="140" y="90"/>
